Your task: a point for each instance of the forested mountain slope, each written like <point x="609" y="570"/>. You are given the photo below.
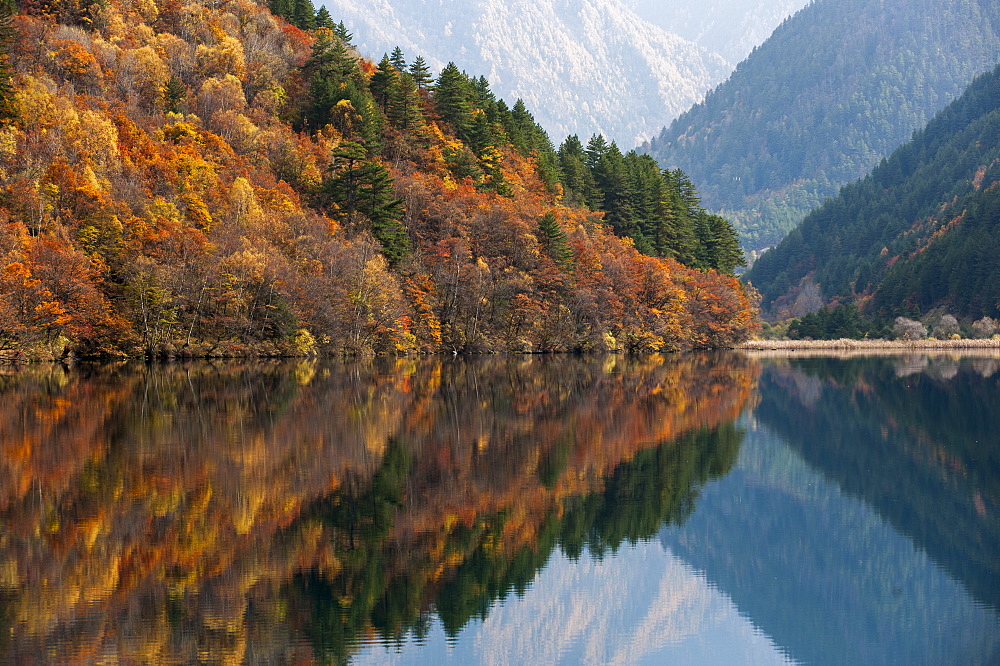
<point x="729" y="28"/>
<point x="208" y="179"/>
<point x="922" y="231"/>
<point x="837" y="86"/>
<point x="582" y="67"/>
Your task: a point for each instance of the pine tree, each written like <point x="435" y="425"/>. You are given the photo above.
<point x="579" y="187"/>
<point x="554" y="241"/>
<point x="340" y="30"/>
<point x="7" y="10"/>
<point x="398" y="60"/>
<point x="358" y="185"/>
<point x="451" y="96"/>
<point x="324" y="20"/>
<point x="596" y="148"/>
<point x="383" y="81"/>
<point x="420" y="73"/>
<point x="173" y="94"/>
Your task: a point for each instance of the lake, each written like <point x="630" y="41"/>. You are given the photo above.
<point x="695" y="508"/>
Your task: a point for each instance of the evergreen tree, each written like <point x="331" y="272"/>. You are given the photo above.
<point x="420" y="73"/>
<point x="451" y="96"/>
<point x="554" y="241"/>
<point x="173" y="94"/>
<point x="596" y="148"/>
<point x="360" y="185"/>
<point x="398" y="60"/>
<point x="340" y="30"/>
<point x="383" y="82"/>
<point x="579" y="187"/>
<point x="7" y="9"/>
<point x="617" y="194"/>
<point x="404" y="110"/>
<point x="324" y="20"/>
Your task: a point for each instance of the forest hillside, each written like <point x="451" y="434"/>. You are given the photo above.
<point x="181" y="178"/>
<point x="919" y="233"/>
<point x="836" y="88"/>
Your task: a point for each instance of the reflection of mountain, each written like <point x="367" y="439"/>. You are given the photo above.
<point x="823" y="574"/>
<point x="916" y="448"/>
<point x="233" y="510"/>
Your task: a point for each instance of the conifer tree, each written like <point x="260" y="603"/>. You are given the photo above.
<point x="554" y="241"/>
<point x="324" y="20"/>
<point x="398" y="60"/>
<point x="596" y="148"/>
<point x="383" y="81"/>
<point x="451" y="96"/>
<point x="7" y="9"/>
<point x="420" y="73"/>
<point x="340" y="30"/>
<point x="358" y="185"/>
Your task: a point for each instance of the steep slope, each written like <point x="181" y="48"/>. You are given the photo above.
<point x="836" y="87"/>
<point x="730" y="28"/>
<point x="583" y="67"/>
<point x="920" y="232"/>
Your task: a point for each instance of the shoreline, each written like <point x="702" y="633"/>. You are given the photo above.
<point x="846" y="348"/>
<point x="846" y="343"/>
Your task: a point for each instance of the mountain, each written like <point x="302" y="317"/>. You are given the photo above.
<point x="584" y="67"/>
<point x="730" y="29"/>
<point x="209" y="180"/>
<point x="837" y="86"/>
<point x="920" y="232"/>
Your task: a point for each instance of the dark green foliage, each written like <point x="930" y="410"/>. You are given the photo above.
<point x="553" y="240"/>
<point x="398" y="59"/>
<point x="359" y="185"/>
<point x="300" y="13"/>
<point x="323" y="19"/>
<point x="659" y="210"/>
<point x="174" y="93"/>
<point x="420" y="73"/>
<point x="919" y="232"/>
<point x="835" y="88"/>
<point x="452" y="96"/>
<point x="342" y="33"/>
<point x="843" y="321"/>
<point x="339" y="92"/>
<point x="7" y="10"/>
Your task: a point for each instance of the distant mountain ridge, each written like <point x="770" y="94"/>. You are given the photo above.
<point x="921" y="232"/>
<point x="595" y="66"/>
<point x="837" y="86"/>
<point x="730" y="28"/>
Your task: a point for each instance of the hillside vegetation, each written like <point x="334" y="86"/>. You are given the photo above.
<point x="209" y="179"/>
<point x="919" y="233"/>
<point x="838" y="86"/>
<point x="582" y="67"/>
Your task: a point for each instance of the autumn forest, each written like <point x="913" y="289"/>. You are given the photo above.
<point x="187" y="179"/>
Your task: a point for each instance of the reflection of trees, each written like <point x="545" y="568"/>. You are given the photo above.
<point x="381" y="488"/>
<point x="916" y="447"/>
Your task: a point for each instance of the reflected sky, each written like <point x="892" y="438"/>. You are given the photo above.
<point x="641" y="605"/>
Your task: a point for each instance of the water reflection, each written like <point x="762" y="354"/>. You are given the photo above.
<point x="290" y="511"/>
<point x="861" y="522"/>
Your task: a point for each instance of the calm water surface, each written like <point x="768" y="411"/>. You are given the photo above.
<point x="710" y="509"/>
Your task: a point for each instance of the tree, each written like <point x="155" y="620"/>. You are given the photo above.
<point x="908" y="329"/>
<point x="358" y="184"/>
<point x="420" y="73"/>
<point x="553" y="240"/>
<point x="398" y="60"/>
<point x="984" y="328"/>
<point x="451" y="96"/>
<point x="324" y="20"/>
<point x="7" y="9"/>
